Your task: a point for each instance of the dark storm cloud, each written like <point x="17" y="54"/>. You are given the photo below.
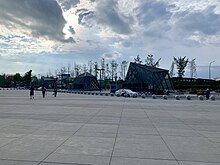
<point x="107" y="14"/>
<point x="81" y="11"/>
<point x="151" y="11"/>
<point x="206" y="22"/>
<point x="84" y="13"/>
<point x="41" y="18"/>
<point x="153" y="17"/>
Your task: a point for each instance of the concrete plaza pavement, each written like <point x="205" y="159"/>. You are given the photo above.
<point x="83" y="129"/>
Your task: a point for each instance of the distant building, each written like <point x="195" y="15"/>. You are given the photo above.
<point x="196" y="84"/>
<point x="85" y="82"/>
<point x="143" y="78"/>
<point x="217" y="79"/>
<point x="48" y="82"/>
<point x="64" y="76"/>
<point x="63" y="80"/>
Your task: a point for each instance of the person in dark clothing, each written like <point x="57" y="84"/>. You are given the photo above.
<point x="207" y="94"/>
<point x="43" y="91"/>
<point x="32" y="92"/>
<point x="55" y="92"/>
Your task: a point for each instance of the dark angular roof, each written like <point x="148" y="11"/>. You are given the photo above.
<point x="86" y="74"/>
<point x="86" y="81"/>
<point x="139" y="77"/>
<point x="84" y="78"/>
<point x="149" y="68"/>
<point x="48" y="79"/>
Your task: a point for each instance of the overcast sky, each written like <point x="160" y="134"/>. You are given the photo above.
<point x="44" y="35"/>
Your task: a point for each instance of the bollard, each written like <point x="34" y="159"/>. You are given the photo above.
<point x="200" y="97"/>
<point x="143" y="96"/>
<point x="212" y="97"/>
<point x="188" y="97"/>
<point x="164" y="97"/>
<point x="177" y="97"/>
<point x="153" y="96"/>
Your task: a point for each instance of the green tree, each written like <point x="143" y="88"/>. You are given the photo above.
<point x="2" y="80"/>
<point x="114" y="67"/>
<point x="181" y="64"/>
<point x="151" y="62"/>
<point x="124" y="67"/>
<point x="17" y="78"/>
<point x="137" y="59"/>
<point x="36" y="81"/>
<point x="6" y="80"/>
<point x="192" y="67"/>
<point x="27" y="78"/>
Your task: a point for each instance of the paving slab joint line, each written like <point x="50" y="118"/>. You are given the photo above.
<point x="194" y="161"/>
<point x="162" y="138"/>
<point x="58" y="163"/>
<point x="131" y="157"/>
<point x="69" y="137"/>
<point x="21" y="137"/>
<point x="188" y="125"/>
<point x="116" y="133"/>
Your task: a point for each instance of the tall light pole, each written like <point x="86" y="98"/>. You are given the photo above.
<point x="210" y="68"/>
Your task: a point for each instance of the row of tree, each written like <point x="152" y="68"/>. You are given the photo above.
<point x="111" y="71"/>
<point x="102" y="71"/>
<point x="118" y="70"/>
<point x="180" y="62"/>
<point x="17" y="80"/>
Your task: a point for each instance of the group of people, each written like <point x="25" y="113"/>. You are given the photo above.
<point x="43" y="89"/>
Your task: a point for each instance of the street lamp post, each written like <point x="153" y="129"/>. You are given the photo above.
<point x="210" y="69"/>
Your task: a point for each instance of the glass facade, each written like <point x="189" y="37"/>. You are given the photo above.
<point x="142" y="78"/>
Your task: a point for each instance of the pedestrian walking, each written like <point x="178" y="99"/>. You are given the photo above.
<point x="55" y="92"/>
<point x="44" y="91"/>
<point x="207" y="93"/>
<point x="32" y="92"/>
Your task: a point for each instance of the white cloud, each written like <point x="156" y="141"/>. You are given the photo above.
<point x="68" y="4"/>
<point x="38" y="18"/>
<point x="103" y="28"/>
<point x="111" y="56"/>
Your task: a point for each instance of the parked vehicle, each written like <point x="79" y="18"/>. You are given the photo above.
<point x="126" y="93"/>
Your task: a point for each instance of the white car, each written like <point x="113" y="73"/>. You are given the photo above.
<point x="126" y="93"/>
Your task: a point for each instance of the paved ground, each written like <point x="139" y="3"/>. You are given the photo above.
<point x="103" y="130"/>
